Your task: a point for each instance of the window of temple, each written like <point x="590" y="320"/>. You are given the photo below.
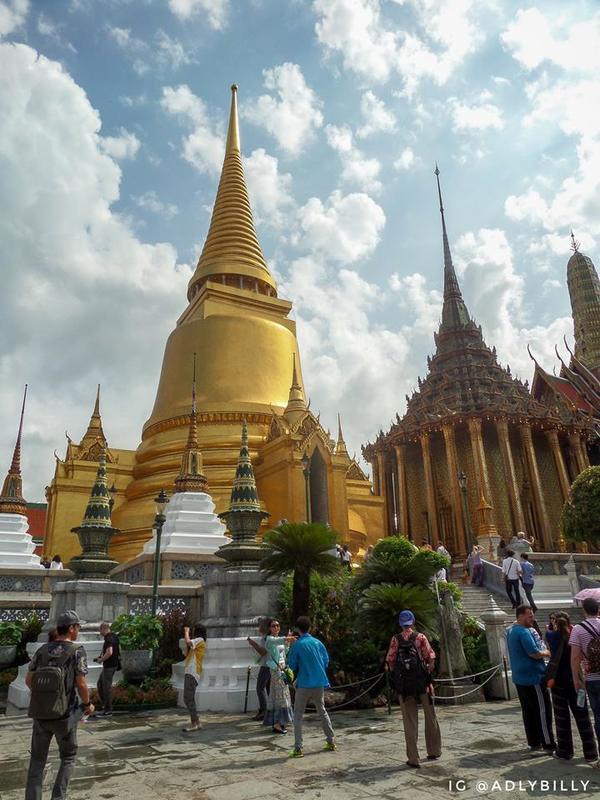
<point x="319" y="495"/>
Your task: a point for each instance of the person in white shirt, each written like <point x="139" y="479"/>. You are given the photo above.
<point x="56" y="563"/>
<point x="511" y="571"/>
<point x="346" y="557"/>
<point x="194" y="659"/>
<point x="442" y="550"/>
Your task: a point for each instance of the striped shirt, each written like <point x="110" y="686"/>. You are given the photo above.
<point x="582" y="638"/>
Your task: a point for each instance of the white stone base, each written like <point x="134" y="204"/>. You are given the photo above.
<point x="222" y="685"/>
<point x="16" y="545"/>
<point x="191" y="526"/>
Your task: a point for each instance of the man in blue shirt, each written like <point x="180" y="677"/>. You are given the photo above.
<point x="309" y="659"/>
<point x="527" y="654"/>
<point x="528" y="579"/>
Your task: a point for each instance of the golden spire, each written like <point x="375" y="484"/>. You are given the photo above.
<point x="11" y="497"/>
<point x="340" y="448"/>
<point x="191" y="477"/>
<point x="231" y="247"/>
<point x="296" y="406"/>
<point x="94" y="430"/>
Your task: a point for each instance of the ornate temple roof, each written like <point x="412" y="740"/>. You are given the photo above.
<point x="231" y="246"/>
<point x="584" y="290"/>
<point x="191" y="477"/>
<point x="464" y="377"/>
<point x="11" y="496"/>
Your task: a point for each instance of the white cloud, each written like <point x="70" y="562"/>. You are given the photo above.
<point x="269" y="189"/>
<point x="204" y="146"/>
<point x="378" y="119"/>
<point x="475" y="117"/>
<point x="291" y="116"/>
<point x="170" y="51"/>
<point x="345" y="229"/>
<point x="12" y="15"/>
<point x="123" y="38"/>
<point x="357" y="168"/>
<point x="123" y="147"/>
<point x="214" y="11"/>
<point x="165" y="52"/>
<point x="149" y="201"/>
<point x="407" y="160"/>
<point x="78" y="282"/>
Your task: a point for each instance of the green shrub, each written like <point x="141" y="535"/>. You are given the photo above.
<point x="475" y="647"/>
<point x="11" y="633"/>
<point x="142" y="632"/>
<point x="580" y="519"/>
<point x="7" y="676"/>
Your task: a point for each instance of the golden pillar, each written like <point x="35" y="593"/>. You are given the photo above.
<point x="402" y="497"/>
<point x="452" y="460"/>
<point x="510" y="475"/>
<point x="576" y="449"/>
<point x="375" y="470"/>
<point x="536" y="486"/>
<point x="382" y="484"/>
<point x="429" y="489"/>
<point x="561" y="467"/>
<point x="481" y="471"/>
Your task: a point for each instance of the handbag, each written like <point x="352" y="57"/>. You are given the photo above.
<point x="552" y="667"/>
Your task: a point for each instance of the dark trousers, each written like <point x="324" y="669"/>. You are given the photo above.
<point x="564" y="700"/>
<point x="263" y="685"/>
<point x="65" y="732"/>
<point x="513" y="587"/>
<point x="104" y="687"/>
<point x="537" y="715"/>
<point x="593" y="693"/>
<point x="528" y="589"/>
<point x="189" y="697"/>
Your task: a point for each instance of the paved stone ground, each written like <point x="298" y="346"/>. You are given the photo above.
<point x="146" y="755"/>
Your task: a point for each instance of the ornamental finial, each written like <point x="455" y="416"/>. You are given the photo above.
<point x="574" y="243"/>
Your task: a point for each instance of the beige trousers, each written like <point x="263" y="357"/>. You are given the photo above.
<point x="410" y="718"/>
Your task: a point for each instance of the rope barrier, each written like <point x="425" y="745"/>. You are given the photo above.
<point x="354" y="699"/>
<point x="471" y="691"/>
<point x="364" y="680"/>
<point x="463" y="677"/>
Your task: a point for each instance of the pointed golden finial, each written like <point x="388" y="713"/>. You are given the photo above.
<point x="233" y="132"/>
<point x="574" y="243"/>
<point x="94" y="432"/>
<point x="96" y="412"/>
<point x="11" y="497"/>
<point x="340" y="448"/>
<point x="191" y="476"/>
<point x="296" y="407"/>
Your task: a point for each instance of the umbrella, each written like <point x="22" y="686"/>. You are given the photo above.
<point x="585" y="593"/>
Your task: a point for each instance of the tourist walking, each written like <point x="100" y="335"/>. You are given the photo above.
<point x="585" y="654"/>
<point x="56" y="674"/>
<point x="308" y="657"/>
<point x="511" y="572"/>
<point x="527" y="653"/>
<point x="476" y="565"/>
<point x="111" y="662"/>
<point x="194" y="660"/>
<point x="263" y="679"/>
<point x="528" y="579"/>
<point x="411" y="659"/>
<point x="279" y="705"/>
<point x="559" y="678"/>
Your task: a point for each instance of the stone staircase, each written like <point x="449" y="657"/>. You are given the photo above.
<point x="476" y="600"/>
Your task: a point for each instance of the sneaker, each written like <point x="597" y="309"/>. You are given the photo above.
<point x="535" y="749"/>
<point x="561" y="758"/>
<point x="330" y="746"/>
<point x="258" y="717"/>
<point x="414" y="766"/>
<point x="191" y="728"/>
<point x="106" y="713"/>
<point x="297" y="753"/>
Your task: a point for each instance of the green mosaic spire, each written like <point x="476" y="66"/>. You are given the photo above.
<point x="97" y="513"/>
<point x="244" y="496"/>
<point x="584" y="290"/>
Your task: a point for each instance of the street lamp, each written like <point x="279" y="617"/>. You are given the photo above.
<point x="159" y="520"/>
<point x="306" y="473"/>
<point x="462" y="482"/>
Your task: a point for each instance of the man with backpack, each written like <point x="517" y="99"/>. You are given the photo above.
<point x="410" y="659"/>
<point x="110" y="660"/>
<point x="585" y="652"/>
<point x="56" y="674"/>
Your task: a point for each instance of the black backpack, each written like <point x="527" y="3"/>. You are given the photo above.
<point x="52" y="683"/>
<point x="409" y="676"/>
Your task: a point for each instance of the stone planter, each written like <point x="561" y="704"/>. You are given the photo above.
<point x="136" y="664"/>
<point x="8" y="654"/>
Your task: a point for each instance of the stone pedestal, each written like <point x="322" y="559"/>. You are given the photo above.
<point x="495" y="621"/>
<point x="95" y="602"/>
<point x="16" y="545"/>
<point x="235" y="600"/>
<point x="191" y="527"/>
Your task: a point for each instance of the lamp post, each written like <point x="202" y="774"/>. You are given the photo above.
<point x="462" y="482"/>
<point x="306" y="473"/>
<point x="159" y="520"/>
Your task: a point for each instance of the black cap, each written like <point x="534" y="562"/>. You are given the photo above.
<point x="68" y="618"/>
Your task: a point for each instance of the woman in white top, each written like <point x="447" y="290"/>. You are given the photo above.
<point x="194" y="659"/>
<point x="56" y="563"/>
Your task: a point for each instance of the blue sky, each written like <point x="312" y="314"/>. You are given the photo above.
<point x="111" y="135"/>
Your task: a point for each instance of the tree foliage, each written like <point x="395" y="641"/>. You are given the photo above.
<point x="581" y="513"/>
<point x="381" y="603"/>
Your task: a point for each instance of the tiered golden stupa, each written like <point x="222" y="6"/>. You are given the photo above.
<point x="248" y="367"/>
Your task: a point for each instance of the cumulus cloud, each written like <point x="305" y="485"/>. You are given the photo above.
<point x="203" y="147"/>
<point x="149" y="201"/>
<point x="123" y="147"/>
<point x="269" y="189"/>
<point x="357" y="168"/>
<point x="378" y="118"/>
<point x="164" y="52"/>
<point x="291" y="113"/>
<point x="477" y="117"/>
<point x="215" y="12"/>
<point x="12" y="15"/>
<point x="406" y="160"/>
<point x="79" y="286"/>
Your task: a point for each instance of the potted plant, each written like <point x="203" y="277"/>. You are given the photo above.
<point x="139" y="637"/>
<point x="10" y="636"/>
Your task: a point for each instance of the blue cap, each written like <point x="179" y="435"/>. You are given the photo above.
<point x="406" y="619"/>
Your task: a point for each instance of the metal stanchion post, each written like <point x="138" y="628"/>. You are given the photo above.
<point x="388" y="689"/>
<point x="247" y="688"/>
<point x="505" y="665"/>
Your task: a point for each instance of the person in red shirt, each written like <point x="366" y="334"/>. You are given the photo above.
<point x="410" y="659"/>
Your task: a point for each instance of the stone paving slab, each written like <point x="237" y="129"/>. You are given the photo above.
<point x="146" y="755"/>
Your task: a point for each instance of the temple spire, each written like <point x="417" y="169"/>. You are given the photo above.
<point x="191" y="477"/>
<point x="97" y="513"/>
<point x="94" y="430"/>
<point x="11" y="497"/>
<point x="574" y="243"/>
<point x="244" y="495"/>
<point x="454" y="310"/>
<point x="296" y="406"/>
<point x="584" y="291"/>
<point x="232" y="254"/>
<point x="340" y="448"/>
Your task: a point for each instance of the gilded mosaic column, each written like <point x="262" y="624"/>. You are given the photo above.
<point x="561" y="467"/>
<point x="382" y="485"/>
<point x="452" y="460"/>
<point x="403" y="520"/>
<point x="510" y="475"/>
<point x="375" y="471"/>
<point x="575" y="443"/>
<point x="481" y="471"/>
<point x="536" y="486"/>
<point x="429" y="489"/>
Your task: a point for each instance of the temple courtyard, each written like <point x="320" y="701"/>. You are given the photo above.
<point x="145" y="755"/>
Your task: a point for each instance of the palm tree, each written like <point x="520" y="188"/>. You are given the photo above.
<point x="300" y="548"/>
